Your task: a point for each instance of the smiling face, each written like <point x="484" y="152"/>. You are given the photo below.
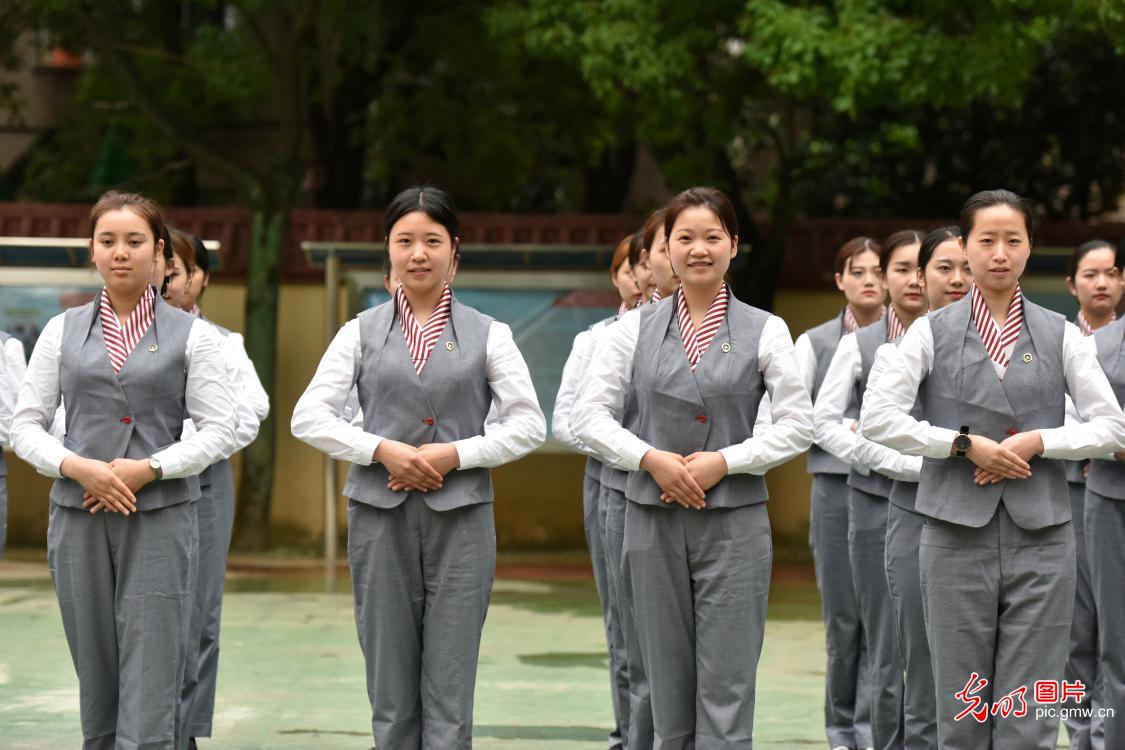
<point x="947" y="276"/>
<point x="1097" y="283"/>
<point x="862" y="281"/>
<point x="421" y="253"/>
<point x="700" y="248"/>
<point x="125" y="253"/>
<point x="662" y="274"/>
<point x="903" y="282"/>
<point x="998" y="248"/>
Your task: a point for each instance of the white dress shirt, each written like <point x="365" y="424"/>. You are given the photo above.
<point x="887" y="417"/>
<point x="208" y="398"/>
<point x="323" y="419"/>
<point x="806" y="360"/>
<point x="596" y="414"/>
<point x="872" y="455"/>
<point x="570" y="387"/>
<point x="251" y="404"/>
<point x="12" y="368"/>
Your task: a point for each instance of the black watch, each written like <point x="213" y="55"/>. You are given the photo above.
<point x="962" y="443"/>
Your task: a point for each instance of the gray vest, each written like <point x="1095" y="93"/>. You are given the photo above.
<point x="869" y="339"/>
<point x="448" y="402"/>
<point x="712" y="408"/>
<point x="1107" y="478"/>
<point x="824" y="339"/>
<point x="962" y="389"/>
<point x="132" y="414"/>
<point x="3" y="462"/>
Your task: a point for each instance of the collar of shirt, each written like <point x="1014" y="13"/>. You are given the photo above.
<point x="697" y="340"/>
<point x="420" y="339"/>
<point x="1084" y="325"/>
<point x="998" y="341"/>
<point x="895" y="328"/>
<point x="655" y="297"/>
<point x="850" y="322"/>
<point x="121" y="339"/>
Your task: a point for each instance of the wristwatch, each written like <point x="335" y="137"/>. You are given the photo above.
<point x="156" y="468"/>
<point x="962" y="443"/>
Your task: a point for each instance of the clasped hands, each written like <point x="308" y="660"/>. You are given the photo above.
<point x="422" y="468"/>
<point x="111" y="486"/>
<point x="685" y="479"/>
<point x="1007" y="460"/>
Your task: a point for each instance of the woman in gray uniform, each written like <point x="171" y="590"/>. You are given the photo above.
<point x="695" y="368"/>
<point x="215" y="507"/>
<point x="122" y="537"/>
<point x="12" y="367"/>
<point x="997" y="555"/>
<point x="421" y="539"/>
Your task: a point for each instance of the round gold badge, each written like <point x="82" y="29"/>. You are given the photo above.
<point x="725" y="347"/>
<point x="449" y="345"/>
<point x="152" y="347"/>
<point x="1027" y="358"/>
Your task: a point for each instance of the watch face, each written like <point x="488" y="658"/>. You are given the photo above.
<point x="962" y="443"/>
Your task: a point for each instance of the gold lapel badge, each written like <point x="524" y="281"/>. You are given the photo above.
<point x="152" y="347"/>
<point x="449" y="345"/>
<point x="725" y="347"/>
<point x="1027" y="358"/>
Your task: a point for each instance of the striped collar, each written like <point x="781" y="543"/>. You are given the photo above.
<point x="121" y="339"/>
<point x="696" y="340"/>
<point x="420" y="339"/>
<point x="850" y="322"/>
<point x="998" y="341"/>
<point x="1084" y="325"/>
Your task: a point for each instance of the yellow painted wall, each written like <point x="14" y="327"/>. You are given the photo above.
<point x="538" y="499"/>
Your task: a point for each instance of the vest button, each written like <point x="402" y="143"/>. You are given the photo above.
<point x="701" y="418"/>
<point x="1012" y="431"/>
<point x="429" y="420"/>
<point x="126" y="420"/>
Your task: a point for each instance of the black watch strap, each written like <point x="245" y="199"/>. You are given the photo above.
<point x="960" y="446"/>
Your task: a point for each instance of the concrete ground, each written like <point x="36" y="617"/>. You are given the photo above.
<point x="291" y="672"/>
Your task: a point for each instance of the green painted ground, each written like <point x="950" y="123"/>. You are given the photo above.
<point x="292" y="675"/>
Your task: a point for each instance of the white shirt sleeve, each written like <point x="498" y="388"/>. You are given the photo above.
<point x="790" y="408"/>
<point x="37" y="403"/>
<point x="569" y="387"/>
<point x="596" y="417"/>
<point x="320" y="417"/>
<point x="520" y="426"/>
<point x="806" y="360"/>
<point x="876" y="457"/>
<point x="210" y="402"/>
<point x="1102" y="429"/>
<point x="833" y="431"/>
<point x="251" y="404"/>
<point x="12" y="369"/>
<point x="890" y="397"/>
<point x="250" y="386"/>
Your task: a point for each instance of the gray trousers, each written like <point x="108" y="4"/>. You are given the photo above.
<point x="422" y="580"/>
<point x="124" y="590"/>
<point x="867" y="535"/>
<point x="594" y="524"/>
<point x="638" y="726"/>
<point x="700" y="582"/>
<point x="999" y="603"/>
<point x="904" y="533"/>
<point x="3" y="511"/>
<point x="1086" y="732"/>
<point x="847" y="686"/>
<point x="1105" y="543"/>
<point x="215" y="511"/>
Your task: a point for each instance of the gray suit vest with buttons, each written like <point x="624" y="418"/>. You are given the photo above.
<point x="710" y="409"/>
<point x="448" y="402"/>
<point x="131" y="414"/>
<point x="824" y="339"/>
<point x="963" y="389"/>
<point x="1107" y="478"/>
<point x="3" y="462"/>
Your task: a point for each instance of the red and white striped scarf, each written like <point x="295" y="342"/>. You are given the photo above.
<point x="421" y="339"/>
<point x="655" y="297"/>
<point x="851" y="324"/>
<point x="895" y="328"/>
<point x="696" y="341"/>
<point x="1084" y="325"/>
<point x="120" y="340"/>
<point x="998" y="342"/>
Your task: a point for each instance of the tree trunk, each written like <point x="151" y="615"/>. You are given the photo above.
<point x="269" y="226"/>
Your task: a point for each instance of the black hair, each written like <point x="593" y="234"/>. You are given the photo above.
<point x="169" y="253"/>
<point x="987" y="199"/>
<point x="202" y="257"/>
<point x="931" y="242"/>
<point x="706" y="197"/>
<point x="894" y="242"/>
<point x="636" y="245"/>
<point x="1089" y="246"/>
<point x="433" y="202"/>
